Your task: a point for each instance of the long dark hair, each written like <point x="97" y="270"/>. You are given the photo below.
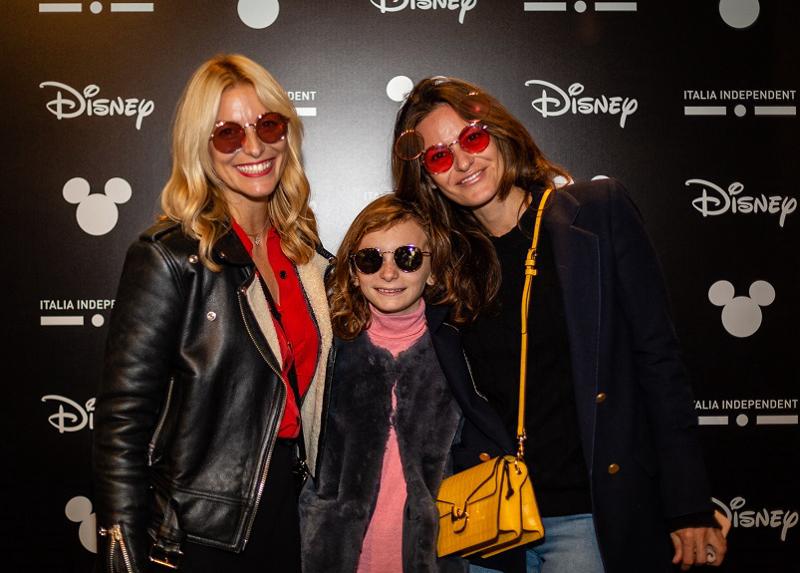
<point x="471" y="275"/>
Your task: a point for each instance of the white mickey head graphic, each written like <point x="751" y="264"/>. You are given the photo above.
<point x="79" y="510"/>
<point x="741" y="315"/>
<point x="399" y="87"/>
<point x="739" y="14"/>
<point x="258" y="14"/>
<point x="97" y="213"/>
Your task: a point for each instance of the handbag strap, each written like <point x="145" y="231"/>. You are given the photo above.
<point x="530" y="272"/>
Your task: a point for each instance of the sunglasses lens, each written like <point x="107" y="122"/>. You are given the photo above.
<point x="474" y="138"/>
<point x="368" y="261"/>
<point x="408" y="146"/>
<point x="271" y="127"/>
<point x="227" y="138"/>
<point x="438" y="158"/>
<point x="408" y="259"/>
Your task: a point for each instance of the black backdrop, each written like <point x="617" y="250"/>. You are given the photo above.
<point x="691" y="103"/>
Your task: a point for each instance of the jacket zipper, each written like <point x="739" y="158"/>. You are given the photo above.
<point x="316" y="326"/>
<point x="115" y="536"/>
<point x="161" y="420"/>
<point x="281" y="387"/>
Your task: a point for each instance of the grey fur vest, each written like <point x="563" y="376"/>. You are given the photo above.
<point x="335" y="509"/>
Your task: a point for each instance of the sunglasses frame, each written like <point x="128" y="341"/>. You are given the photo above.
<point x="394" y="251"/>
<point x="280" y="118"/>
<point x="421" y="155"/>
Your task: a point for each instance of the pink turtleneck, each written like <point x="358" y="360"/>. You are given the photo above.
<point x="382" y="550"/>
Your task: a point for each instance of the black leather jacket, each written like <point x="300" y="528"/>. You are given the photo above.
<point x="191" y="398"/>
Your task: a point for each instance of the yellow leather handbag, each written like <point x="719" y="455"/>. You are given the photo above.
<point x="491" y="507"/>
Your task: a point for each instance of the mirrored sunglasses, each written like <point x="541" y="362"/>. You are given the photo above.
<point x="408" y="259"/>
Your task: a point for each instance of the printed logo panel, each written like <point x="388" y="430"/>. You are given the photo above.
<point x="69" y="103"/>
<point x="70" y="416"/>
<point x="757" y="102"/>
<point x="552" y="101"/>
<point x="580" y="6"/>
<point x="79" y="510"/>
<point x="716" y="200"/>
<point x="97" y="213"/>
<point x="459" y="6"/>
<point x="742" y="516"/>
<point x="95" y="7"/>
<point x="747" y="411"/>
<point x="741" y="315"/>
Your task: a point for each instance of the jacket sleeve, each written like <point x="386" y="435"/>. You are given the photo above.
<point x="660" y="370"/>
<point x="141" y="344"/>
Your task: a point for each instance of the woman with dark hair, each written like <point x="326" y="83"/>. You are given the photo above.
<point x="215" y="362"/>
<point x="611" y="443"/>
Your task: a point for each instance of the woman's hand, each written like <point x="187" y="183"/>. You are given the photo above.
<point x="698" y="546"/>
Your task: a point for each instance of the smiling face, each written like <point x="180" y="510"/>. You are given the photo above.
<point x="391" y="290"/>
<point x="473" y="180"/>
<point x="252" y="172"/>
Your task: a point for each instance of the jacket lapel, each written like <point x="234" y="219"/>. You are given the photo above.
<point x="312" y="281"/>
<point x="577" y="256"/>
<point x="228" y="250"/>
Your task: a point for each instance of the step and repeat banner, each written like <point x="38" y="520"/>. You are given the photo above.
<point x="692" y="104"/>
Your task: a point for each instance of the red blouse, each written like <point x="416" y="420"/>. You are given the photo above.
<point x="298" y="336"/>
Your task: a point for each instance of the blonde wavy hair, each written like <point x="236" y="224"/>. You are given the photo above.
<point x="193" y="194"/>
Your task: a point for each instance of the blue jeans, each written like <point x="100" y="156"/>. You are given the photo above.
<point x="569" y="546"/>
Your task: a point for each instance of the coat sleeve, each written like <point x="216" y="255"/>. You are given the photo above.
<point x="659" y="365"/>
<point x="142" y="338"/>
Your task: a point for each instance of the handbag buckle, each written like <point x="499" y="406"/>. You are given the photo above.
<point x="459" y="517"/>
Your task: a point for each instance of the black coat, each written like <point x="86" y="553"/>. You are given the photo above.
<point x="336" y="508"/>
<point x="632" y="394"/>
<point x="191" y="398"/>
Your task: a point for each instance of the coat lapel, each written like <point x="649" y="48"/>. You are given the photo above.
<point x="577" y="256"/>
<point x="312" y="280"/>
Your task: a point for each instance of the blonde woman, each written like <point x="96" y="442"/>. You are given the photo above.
<point x="209" y="409"/>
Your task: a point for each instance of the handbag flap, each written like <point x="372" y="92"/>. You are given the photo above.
<point x="470" y="486"/>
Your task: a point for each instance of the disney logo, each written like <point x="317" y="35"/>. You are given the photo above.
<point x="722" y="201"/>
<point x="775" y="518"/>
<point x="463" y="6"/>
<point x="69" y="103"/>
<point x="73" y="419"/>
<point x="557" y="102"/>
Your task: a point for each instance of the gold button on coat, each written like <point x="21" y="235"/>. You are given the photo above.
<point x="600" y="398"/>
<point x="485" y="457"/>
<point x="613" y="468"/>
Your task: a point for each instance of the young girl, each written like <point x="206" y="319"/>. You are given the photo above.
<point x="399" y="386"/>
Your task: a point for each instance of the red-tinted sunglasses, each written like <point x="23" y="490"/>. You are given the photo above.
<point x="439" y="158"/>
<point x="229" y="136"/>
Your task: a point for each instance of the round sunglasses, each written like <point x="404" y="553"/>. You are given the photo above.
<point x="229" y="136"/>
<point x="408" y="259"/>
<point x="439" y="158"/>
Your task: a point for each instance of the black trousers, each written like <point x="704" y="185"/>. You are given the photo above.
<point x="274" y="543"/>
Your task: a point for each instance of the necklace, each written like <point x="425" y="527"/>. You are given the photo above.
<point x="258" y="238"/>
